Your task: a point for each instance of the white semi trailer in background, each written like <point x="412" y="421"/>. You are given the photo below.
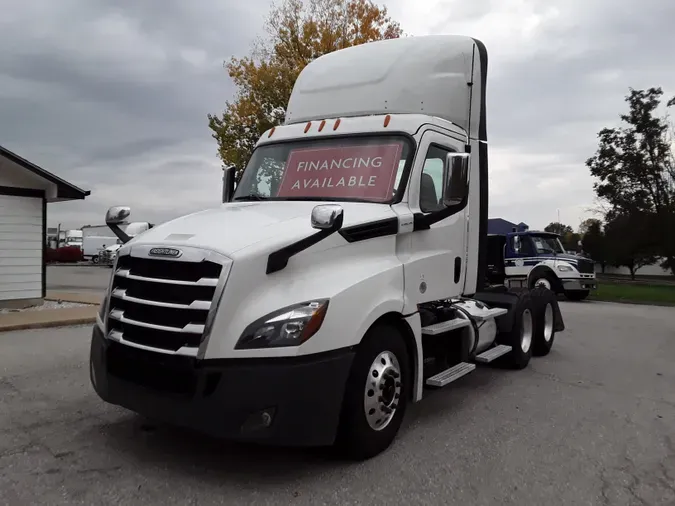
<point x="344" y="276"/>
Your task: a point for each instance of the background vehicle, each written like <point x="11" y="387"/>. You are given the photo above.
<point x="341" y="279"/>
<point x="72" y="238"/>
<point x="530" y="258"/>
<point x="92" y="246"/>
<point x="109" y="254"/>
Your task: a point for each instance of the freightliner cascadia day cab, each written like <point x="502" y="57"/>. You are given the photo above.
<point x="342" y="279"/>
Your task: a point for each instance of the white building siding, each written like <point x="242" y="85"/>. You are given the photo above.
<point x="21" y="246"/>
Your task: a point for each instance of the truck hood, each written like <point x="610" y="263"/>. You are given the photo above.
<point x="235" y="226"/>
<point x="573" y="259"/>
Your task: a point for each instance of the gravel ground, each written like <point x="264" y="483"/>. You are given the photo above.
<point x="48" y="304"/>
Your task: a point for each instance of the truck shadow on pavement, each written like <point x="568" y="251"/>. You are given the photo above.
<point x="184" y="451"/>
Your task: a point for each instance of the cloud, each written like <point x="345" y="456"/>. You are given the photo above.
<point x="113" y="96"/>
<point x="559" y="71"/>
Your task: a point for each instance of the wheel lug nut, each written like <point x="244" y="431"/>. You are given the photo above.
<point x="395" y="374"/>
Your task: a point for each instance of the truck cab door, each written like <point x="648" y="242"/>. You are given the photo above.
<point x="435" y="268"/>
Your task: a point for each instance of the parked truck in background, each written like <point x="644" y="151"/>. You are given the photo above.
<point x="533" y="258"/>
<point x="72" y="238"/>
<point x="93" y="245"/>
<point x="345" y="276"/>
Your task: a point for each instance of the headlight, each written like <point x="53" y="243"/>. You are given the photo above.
<point x="565" y="268"/>
<point x="290" y="326"/>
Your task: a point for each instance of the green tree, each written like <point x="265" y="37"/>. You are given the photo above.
<point x="297" y="32"/>
<point x="635" y="170"/>
<point x="568" y="238"/>
<point x="593" y="241"/>
<point x="558" y="228"/>
<point x="630" y="242"/>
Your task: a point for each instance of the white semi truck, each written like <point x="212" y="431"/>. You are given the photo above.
<point x="345" y="276"/>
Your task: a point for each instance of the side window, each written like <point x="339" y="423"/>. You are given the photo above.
<point x="431" y="185"/>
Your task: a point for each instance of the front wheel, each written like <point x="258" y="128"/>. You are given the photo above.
<point x="577" y="295"/>
<point x="376" y="396"/>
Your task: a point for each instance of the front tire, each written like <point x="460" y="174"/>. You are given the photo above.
<point x="376" y="396"/>
<point x="577" y="295"/>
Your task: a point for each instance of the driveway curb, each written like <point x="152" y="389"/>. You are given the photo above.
<point x="46" y="324"/>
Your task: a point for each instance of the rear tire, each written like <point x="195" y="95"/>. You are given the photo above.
<point x="543" y="302"/>
<point x="577" y="295"/>
<point x="375" y="399"/>
<point x="520" y="336"/>
<point x="94" y="259"/>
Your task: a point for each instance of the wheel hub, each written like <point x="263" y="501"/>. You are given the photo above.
<point x="543" y="282"/>
<point x="382" y="390"/>
<point x="548" y="322"/>
<point x="526" y="331"/>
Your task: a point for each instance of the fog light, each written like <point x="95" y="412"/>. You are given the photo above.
<point x="259" y="420"/>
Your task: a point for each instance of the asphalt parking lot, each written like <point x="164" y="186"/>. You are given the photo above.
<point x="78" y="278"/>
<point x="592" y="423"/>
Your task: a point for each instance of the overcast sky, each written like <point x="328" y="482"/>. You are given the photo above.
<point x="113" y="95"/>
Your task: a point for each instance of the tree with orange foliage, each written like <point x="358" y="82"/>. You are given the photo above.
<point x="297" y="32"/>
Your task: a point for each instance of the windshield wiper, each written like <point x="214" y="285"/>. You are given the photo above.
<point x="252" y="196"/>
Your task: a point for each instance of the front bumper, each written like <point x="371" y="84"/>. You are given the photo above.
<point x="579" y="284"/>
<point x="287" y="401"/>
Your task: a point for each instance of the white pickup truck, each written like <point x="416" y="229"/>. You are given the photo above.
<point x="346" y="274"/>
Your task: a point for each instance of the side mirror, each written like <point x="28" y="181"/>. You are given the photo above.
<point x="117" y="215"/>
<point x="229" y="185"/>
<point x="114" y="217"/>
<point x="455" y="178"/>
<point x="516" y="244"/>
<point x="327" y="217"/>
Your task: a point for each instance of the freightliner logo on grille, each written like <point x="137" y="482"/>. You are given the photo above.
<point x="165" y="252"/>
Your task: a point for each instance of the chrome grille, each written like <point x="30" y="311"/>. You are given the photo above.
<point x="163" y="304"/>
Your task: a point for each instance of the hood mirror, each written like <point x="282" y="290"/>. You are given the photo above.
<point x="117" y="215"/>
<point x="229" y="183"/>
<point x="327" y="217"/>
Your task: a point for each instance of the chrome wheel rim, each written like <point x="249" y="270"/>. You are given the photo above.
<point x="543" y="282"/>
<point x="548" y="323"/>
<point x="383" y="390"/>
<point x="526" y="331"/>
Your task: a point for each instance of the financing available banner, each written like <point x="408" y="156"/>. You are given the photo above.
<point x="349" y="172"/>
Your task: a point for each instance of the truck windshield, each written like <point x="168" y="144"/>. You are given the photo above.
<point x="365" y="169"/>
<point x="547" y="244"/>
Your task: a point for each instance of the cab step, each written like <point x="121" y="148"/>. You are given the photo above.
<point x="493" y="353"/>
<point x="449" y="375"/>
<point x="446" y="326"/>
